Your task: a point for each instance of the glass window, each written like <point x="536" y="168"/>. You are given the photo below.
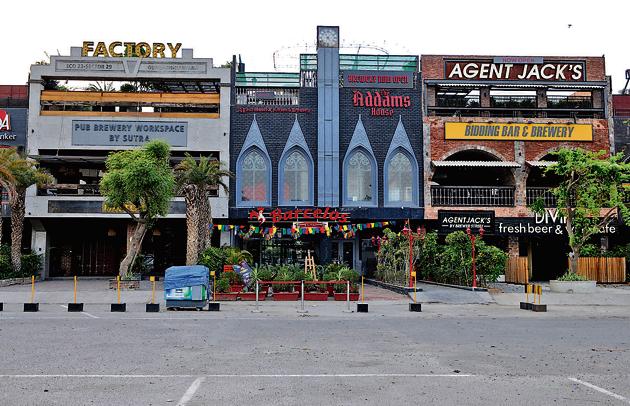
<point x="254" y="177"/>
<point x="359" y="178"/>
<point x="400" y="179"/>
<point x="296" y="178"/>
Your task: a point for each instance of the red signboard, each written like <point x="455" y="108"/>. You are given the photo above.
<point x="380" y="102"/>
<point x="311" y="213"/>
<point x="565" y="71"/>
<point x="5" y="121"/>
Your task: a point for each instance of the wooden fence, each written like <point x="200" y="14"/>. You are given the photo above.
<point x="602" y="269"/>
<point x="517" y="270"/>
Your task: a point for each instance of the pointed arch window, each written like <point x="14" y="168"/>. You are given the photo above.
<point x="255" y="176"/>
<point x="360" y="185"/>
<point x="400" y="178"/>
<point x="295" y="188"/>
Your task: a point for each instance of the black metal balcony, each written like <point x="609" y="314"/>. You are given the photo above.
<point x="472" y="196"/>
<point x="544" y="193"/>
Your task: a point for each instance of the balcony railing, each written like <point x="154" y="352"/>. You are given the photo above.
<point x="544" y="193"/>
<point x="569" y="102"/>
<point x="455" y="101"/>
<point x="468" y="196"/>
<point x="513" y="102"/>
<point x="65" y="189"/>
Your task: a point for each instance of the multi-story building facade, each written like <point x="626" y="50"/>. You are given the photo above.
<point x="490" y="125"/>
<point x="328" y="153"/>
<point x="110" y="97"/>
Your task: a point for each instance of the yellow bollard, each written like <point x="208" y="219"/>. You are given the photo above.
<point x="32" y="288"/>
<point x="118" y="287"/>
<point x="152" y="279"/>
<point x="413" y="274"/>
<point x="362" y="290"/>
<point x="214" y="284"/>
<point x="75" y="289"/>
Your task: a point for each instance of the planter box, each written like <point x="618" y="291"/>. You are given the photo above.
<point x="236" y="288"/>
<point x="152" y="307"/>
<point x="317" y="296"/>
<point x="227" y="296"/>
<point x="251" y="296"/>
<point x="572" y="287"/>
<point x="130" y="285"/>
<point x="286" y="296"/>
<point x="331" y="290"/>
<point x="341" y="297"/>
<point x="228" y="268"/>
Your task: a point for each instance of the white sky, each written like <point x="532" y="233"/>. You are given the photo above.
<point x="255" y="29"/>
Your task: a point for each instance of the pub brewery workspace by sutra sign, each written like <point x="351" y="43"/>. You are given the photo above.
<point x="128" y="133"/>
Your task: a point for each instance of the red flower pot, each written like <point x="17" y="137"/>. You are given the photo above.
<point x="341" y="297"/>
<point x="251" y="296"/>
<point x="318" y="296"/>
<point x="331" y="290"/>
<point x="285" y="296"/>
<point x="236" y="288"/>
<point x="228" y="268"/>
<point x="227" y="296"/>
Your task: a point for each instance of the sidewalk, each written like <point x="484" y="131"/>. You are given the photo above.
<point x="91" y="291"/>
<point x="604" y="296"/>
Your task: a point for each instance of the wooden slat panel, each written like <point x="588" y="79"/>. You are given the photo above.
<point x="114" y="97"/>
<point x="517" y="270"/>
<point x="603" y="269"/>
<point x="128" y="114"/>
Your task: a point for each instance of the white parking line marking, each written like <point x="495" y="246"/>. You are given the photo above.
<point x="86" y="313"/>
<point x="600" y="390"/>
<point x="125" y="376"/>
<point x="190" y="392"/>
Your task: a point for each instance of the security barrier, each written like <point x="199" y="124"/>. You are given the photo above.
<point x="536" y="305"/>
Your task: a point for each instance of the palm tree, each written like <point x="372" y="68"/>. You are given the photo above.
<point x="196" y="179"/>
<point x="7" y="155"/>
<point x="24" y="173"/>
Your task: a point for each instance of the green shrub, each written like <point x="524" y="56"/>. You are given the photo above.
<point x="213" y="258"/>
<point x="571" y="277"/>
<point x="223" y="285"/>
<point x="285" y="274"/>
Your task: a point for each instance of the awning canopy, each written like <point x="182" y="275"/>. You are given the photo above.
<point x="540" y="164"/>
<point x="476" y="164"/>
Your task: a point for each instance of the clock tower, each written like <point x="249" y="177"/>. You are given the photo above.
<point x="328" y="116"/>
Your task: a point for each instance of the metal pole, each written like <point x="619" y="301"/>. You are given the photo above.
<point x="474" y="281"/>
<point x="118" y="287"/>
<point x="32" y="288"/>
<point x="302" y="300"/>
<point x="410" y="254"/>
<point x="75" y="289"/>
<point x="348" y="294"/>
<point x="256" y="310"/>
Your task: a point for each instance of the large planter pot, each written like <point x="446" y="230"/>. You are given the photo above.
<point x="228" y="268"/>
<point x="227" y="296"/>
<point x="236" y="288"/>
<point x="251" y="296"/>
<point x="285" y="296"/>
<point x="572" y="287"/>
<point x="331" y="290"/>
<point x="317" y="296"/>
<point x="341" y="297"/>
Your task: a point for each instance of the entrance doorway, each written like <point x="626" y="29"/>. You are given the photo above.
<point x="549" y="258"/>
<point x="343" y="252"/>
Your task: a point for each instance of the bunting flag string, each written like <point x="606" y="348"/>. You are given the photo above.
<point x="346" y="230"/>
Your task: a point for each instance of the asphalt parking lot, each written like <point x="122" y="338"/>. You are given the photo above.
<point x="448" y="354"/>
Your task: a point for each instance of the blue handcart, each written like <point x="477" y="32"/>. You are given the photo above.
<point x="186" y="287"/>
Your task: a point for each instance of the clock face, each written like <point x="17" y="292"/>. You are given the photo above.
<point x="328" y="37"/>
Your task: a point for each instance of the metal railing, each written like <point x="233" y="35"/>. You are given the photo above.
<point x="544" y="193"/>
<point x="491" y="196"/>
<point x="455" y="101"/>
<point x="569" y="102"/>
<point x="515" y="112"/>
<point x="268" y="96"/>
<point x="513" y="101"/>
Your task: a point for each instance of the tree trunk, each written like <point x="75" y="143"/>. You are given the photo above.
<point x="133" y="247"/>
<point x="573" y="261"/>
<point x="205" y="221"/>
<point x="1" y="223"/>
<point x="17" y="227"/>
<point x="192" y="224"/>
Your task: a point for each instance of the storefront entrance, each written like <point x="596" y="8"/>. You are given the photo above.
<point x="548" y="258"/>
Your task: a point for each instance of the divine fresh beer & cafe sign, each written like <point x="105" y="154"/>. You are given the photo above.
<point x="518" y="132"/>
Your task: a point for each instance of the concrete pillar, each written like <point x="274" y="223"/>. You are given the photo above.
<point x="520" y="183"/>
<point x="484" y="96"/>
<point x="40" y="245"/>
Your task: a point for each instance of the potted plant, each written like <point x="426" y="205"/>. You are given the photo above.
<point x="341" y="289"/>
<point x="223" y="289"/>
<point x="236" y="284"/>
<point x="572" y="283"/>
<point x="285" y="291"/>
<point x="234" y="256"/>
<point x="313" y="291"/>
<point x="258" y="274"/>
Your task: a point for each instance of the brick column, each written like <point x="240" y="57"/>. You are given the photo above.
<point x="513" y="251"/>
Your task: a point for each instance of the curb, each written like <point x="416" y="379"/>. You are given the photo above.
<point x="446" y="285"/>
<point x="402" y="290"/>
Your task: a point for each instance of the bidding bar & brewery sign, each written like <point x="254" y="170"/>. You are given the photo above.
<point x="518" y="132"/>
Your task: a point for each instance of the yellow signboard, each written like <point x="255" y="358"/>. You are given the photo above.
<point x="518" y="132"/>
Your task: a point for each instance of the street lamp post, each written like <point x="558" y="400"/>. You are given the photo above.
<point x="421" y="233"/>
<point x="474" y="264"/>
